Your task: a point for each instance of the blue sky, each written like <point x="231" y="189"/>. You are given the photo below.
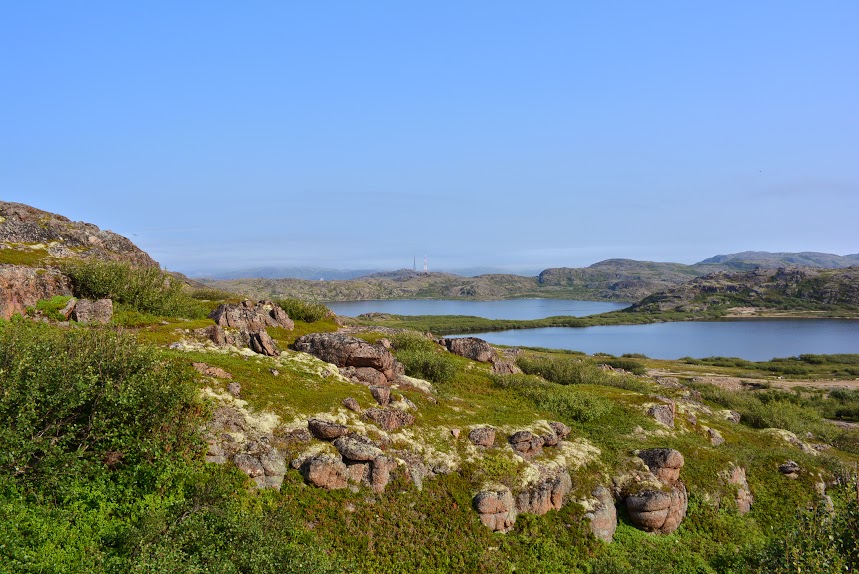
<point x="223" y="135"/>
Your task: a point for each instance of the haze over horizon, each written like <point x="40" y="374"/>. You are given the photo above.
<point x="494" y="135"/>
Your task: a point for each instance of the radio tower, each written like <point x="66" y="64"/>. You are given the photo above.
<point x="425" y="264"/>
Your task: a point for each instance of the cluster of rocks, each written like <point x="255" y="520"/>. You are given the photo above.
<point x="360" y="361"/>
<point x="661" y="505"/>
<point x="231" y="438"/>
<point x="497" y="505"/>
<point x="244" y="324"/>
<point x="360" y="460"/>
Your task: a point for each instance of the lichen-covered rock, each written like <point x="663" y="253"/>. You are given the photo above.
<point x="526" y="444"/>
<point x="98" y="312"/>
<point x="715" y="437"/>
<point x="744" y="499"/>
<point x="505" y="367"/>
<point x="789" y="468"/>
<point x="664" y="413"/>
<point x="22" y="287"/>
<point x="482" y="436"/>
<point x="389" y="419"/>
<point x="496" y="508"/>
<point x="470" y="348"/>
<point x="352" y="404"/>
<point x="547" y="494"/>
<point x="665" y="463"/>
<point x="249" y="465"/>
<point x="234" y="389"/>
<point x="326" y="430"/>
<point x="381" y="394"/>
<point x="562" y="431"/>
<point x="380" y="472"/>
<point x="251" y="317"/>
<point x="602" y="517"/>
<point x="325" y="471"/>
<point x="658" y="511"/>
<point x="357" y="449"/>
<point x="261" y="343"/>
<point x="347" y="351"/>
<point x="210" y="371"/>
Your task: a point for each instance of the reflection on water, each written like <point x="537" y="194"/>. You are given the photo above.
<point x="518" y="309"/>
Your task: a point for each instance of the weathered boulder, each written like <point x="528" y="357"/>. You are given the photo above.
<point x="261" y="343"/>
<point x="380" y="472"/>
<point x="357" y="449"/>
<point x="526" y="444"/>
<point x="326" y="430"/>
<point x="99" y="312"/>
<point x="352" y="404"/>
<point x="251" y="317"/>
<point x="505" y="367"/>
<point x="789" y="468"/>
<point x="496" y="508"/>
<point x="658" y="511"/>
<point x="234" y="389"/>
<point x="249" y="465"/>
<point x="347" y="351"/>
<point x="381" y="394"/>
<point x="562" y="431"/>
<point x="470" y="348"/>
<point x="602" y="516"/>
<point x="732" y="416"/>
<point x="482" y="436"/>
<point x="325" y="471"/>
<point x="211" y="371"/>
<point x="736" y="476"/>
<point x="547" y="494"/>
<point x="664" y="413"/>
<point x="664" y="463"/>
<point x="389" y="419"/>
<point x="67" y="311"/>
<point x="365" y="375"/>
<point x="715" y="437"/>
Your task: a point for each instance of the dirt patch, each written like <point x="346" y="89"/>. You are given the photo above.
<point x="747" y="383"/>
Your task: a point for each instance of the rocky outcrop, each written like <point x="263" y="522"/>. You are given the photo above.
<point x="505" y="367"/>
<point x="660" y="511"/>
<point x="526" y="444"/>
<point x="346" y="351"/>
<point x="352" y="404"/>
<point x="389" y="419"/>
<point x="482" y="436"/>
<point x="470" y="348"/>
<point x="547" y="494"/>
<point x="22" y="287"/>
<point x="22" y="225"/>
<point x="325" y="471"/>
<point x="790" y="469"/>
<point x="736" y="477"/>
<point x="602" y="514"/>
<point x="251" y="317"/>
<point x="664" y="413"/>
<point x="326" y="430"/>
<point x="98" y="312"/>
<point x="496" y="508"/>
<point x="210" y="371"/>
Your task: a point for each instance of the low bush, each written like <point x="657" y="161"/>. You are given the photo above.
<point x="211" y="294"/>
<point x="565" y="402"/>
<point x="563" y="371"/>
<point x="630" y="365"/>
<point x="438" y="367"/>
<point x="50" y="308"/>
<point x="412" y="342"/>
<point x="145" y="289"/>
<point x="307" y="311"/>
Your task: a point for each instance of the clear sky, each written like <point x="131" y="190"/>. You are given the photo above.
<point x="517" y="135"/>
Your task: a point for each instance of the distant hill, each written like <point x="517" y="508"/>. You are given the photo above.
<point x="753" y="259"/>
<point x="271" y="272"/>
<point x="784" y="289"/>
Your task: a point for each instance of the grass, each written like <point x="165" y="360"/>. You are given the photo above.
<point x="29" y="257"/>
<point x="307" y="311"/>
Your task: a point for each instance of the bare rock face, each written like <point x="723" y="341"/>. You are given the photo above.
<point x="483" y="436"/>
<point x="347" y="351"/>
<point x="325" y="471"/>
<point x="365" y="375"/>
<point x="262" y="344"/>
<point x="21" y="287"/>
<point x="389" y="419"/>
<point x="505" y="367"/>
<point x="97" y="312"/>
<point x="526" y="444"/>
<point x="251" y="317"/>
<point x="602" y="519"/>
<point x="496" y="508"/>
<point x="658" y="511"/>
<point x="20" y="223"/>
<point x="664" y="413"/>
<point x="744" y="498"/>
<point x="665" y="463"/>
<point x="325" y="430"/>
<point x="548" y="494"/>
<point x="471" y="348"/>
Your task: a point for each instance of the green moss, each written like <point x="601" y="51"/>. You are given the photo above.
<point x="29" y="257"/>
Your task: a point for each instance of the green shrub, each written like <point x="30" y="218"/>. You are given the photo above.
<point x="412" y="342"/>
<point x="50" y="308"/>
<point x="211" y="294"/>
<point x="432" y="364"/>
<point x="145" y="289"/>
<point x="563" y="371"/>
<point x="307" y="311"/>
<point x="630" y="365"/>
<point x="565" y="402"/>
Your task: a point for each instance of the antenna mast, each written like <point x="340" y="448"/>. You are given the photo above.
<point x="425" y="263"/>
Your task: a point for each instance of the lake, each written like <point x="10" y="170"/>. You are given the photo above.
<point x="750" y="339"/>
<point x="519" y="309"/>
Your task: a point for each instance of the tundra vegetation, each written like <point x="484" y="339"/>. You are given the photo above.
<point x="102" y="462"/>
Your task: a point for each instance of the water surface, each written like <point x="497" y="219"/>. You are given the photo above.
<point x="518" y="309"/>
